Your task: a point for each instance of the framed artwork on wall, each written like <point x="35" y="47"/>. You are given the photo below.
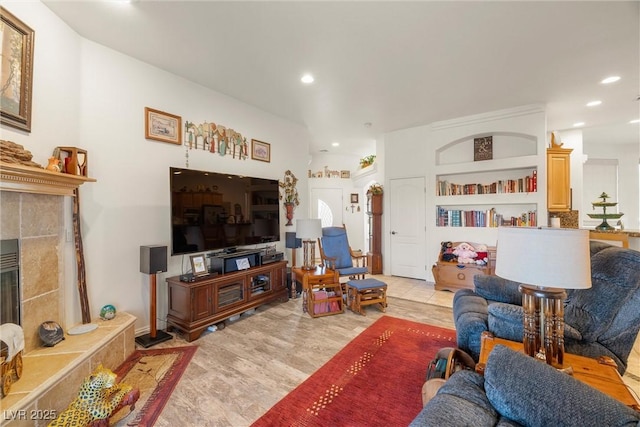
<point x="16" y="78"/>
<point x="260" y="150"/>
<point x="354" y="198"/>
<point x="161" y="126"/>
<point x="483" y="148"/>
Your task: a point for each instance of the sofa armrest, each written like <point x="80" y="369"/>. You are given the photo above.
<point x="494" y="288"/>
<point x="461" y="401"/>
<point x="527" y="391"/>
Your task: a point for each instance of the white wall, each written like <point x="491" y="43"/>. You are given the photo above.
<point x="627" y="156"/>
<point x="352" y="220"/>
<point x="94" y="98"/>
<point x="412" y="153"/>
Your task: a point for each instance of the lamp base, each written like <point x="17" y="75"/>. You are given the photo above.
<point x="309" y="249"/>
<point x="147" y="341"/>
<point x="543" y="321"/>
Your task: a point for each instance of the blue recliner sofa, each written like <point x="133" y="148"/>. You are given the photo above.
<point x="601" y="321"/>
<point x="518" y="390"/>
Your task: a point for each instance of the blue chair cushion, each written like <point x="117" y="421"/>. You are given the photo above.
<point x="353" y="271"/>
<point x="365" y="284"/>
<point x="336" y="245"/>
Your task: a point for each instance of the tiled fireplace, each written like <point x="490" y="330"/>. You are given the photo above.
<point x="32" y="211"/>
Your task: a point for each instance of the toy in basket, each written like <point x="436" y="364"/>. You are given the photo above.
<point x="12" y="345"/>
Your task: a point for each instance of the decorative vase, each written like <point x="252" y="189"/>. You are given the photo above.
<point x="289" y="209"/>
<point x="54" y="164"/>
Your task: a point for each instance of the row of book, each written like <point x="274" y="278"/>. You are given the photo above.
<point x="488" y="218"/>
<point x="527" y="184"/>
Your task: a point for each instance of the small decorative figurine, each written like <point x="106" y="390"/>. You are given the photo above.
<point x="100" y="396"/>
<point x="107" y="312"/>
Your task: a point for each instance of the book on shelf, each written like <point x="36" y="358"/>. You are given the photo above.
<point x="527" y="184"/>
<point x="482" y="218"/>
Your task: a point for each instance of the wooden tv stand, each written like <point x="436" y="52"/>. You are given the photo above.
<point x="193" y="306"/>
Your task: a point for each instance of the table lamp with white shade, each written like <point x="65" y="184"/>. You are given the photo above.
<point x="309" y="230"/>
<point x="546" y="261"/>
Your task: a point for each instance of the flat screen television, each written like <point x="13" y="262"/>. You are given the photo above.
<point x="213" y="211"/>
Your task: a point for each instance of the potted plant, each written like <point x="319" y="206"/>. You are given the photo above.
<point x="375" y="189"/>
<point x="289" y="194"/>
<point x="367" y="161"/>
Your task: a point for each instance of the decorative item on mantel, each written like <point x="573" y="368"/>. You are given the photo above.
<point x="289" y="194"/>
<point x="10" y="152"/>
<point x="604" y="225"/>
<point x="72" y="160"/>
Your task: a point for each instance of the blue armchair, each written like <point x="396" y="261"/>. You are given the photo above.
<point x="601" y="321"/>
<point x="337" y="254"/>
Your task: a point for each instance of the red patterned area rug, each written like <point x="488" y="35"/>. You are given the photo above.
<point x="376" y="380"/>
<point x="155" y="372"/>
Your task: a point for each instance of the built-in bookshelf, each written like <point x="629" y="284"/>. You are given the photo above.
<point x="525" y="184"/>
<point x="483" y="218"/>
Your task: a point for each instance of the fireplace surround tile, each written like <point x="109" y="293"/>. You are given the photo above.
<point x="41" y="215"/>
<point x="39" y="266"/>
<point x="10" y="215"/>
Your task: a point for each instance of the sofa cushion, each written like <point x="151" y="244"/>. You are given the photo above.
<point x="505" y="321"/>
<point x="494" y="288"/>
<point x="533" y="393"/>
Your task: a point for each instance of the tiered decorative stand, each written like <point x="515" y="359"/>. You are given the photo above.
<point x="604" y="215"/>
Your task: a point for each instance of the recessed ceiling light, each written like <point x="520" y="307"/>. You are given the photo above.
<point x="578" y="124"/>
<point x="610" y="80"/>
<point x="307" y="79"/>
<point x="335" y="144"/>
<point x="635" y="121"/>
<point x="593" y="103"/>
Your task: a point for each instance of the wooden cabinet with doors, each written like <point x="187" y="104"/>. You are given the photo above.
<point x="193" y="306"/>
<point x="374" y="213"/>
<point x="558" y="179"/>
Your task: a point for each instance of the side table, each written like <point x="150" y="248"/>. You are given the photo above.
<point x="322" y="291"/>
<point x="601" y="374"/>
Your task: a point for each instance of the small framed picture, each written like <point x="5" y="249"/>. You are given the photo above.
<point x="354" y="198"/>
<point x="482" y="148"/>
<point x="161" y="126"/>
<point x="345" y="174"/>
<point x="260" y="150"/>
<point x="198" y="265"/>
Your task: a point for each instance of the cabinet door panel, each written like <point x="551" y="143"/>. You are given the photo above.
<point x="201" y="304"/>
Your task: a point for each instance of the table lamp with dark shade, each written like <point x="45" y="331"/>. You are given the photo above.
<point x="546" y="261"/>
<point x="309" y="230"/>
<point x="293" y="243"/>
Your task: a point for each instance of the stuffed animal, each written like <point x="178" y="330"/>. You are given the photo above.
<point x="466" y="253"/>
<point x="447" y="252"/>
<point x="482" y="252"/>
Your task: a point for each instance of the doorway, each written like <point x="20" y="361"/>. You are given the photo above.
<point x="326" y="204"/>
<point x="407" y="224"/>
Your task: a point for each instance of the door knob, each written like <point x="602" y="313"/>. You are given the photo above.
<point x="393" y="232"/>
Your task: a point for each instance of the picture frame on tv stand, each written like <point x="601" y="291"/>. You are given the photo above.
<point x="198" y="265"/>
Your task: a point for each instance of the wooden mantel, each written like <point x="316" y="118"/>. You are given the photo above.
<point x="28" y="179"/>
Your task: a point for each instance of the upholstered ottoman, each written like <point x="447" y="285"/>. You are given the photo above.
<point x="361" y="293"/>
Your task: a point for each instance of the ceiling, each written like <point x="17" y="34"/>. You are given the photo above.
<point x="391" y="64"/>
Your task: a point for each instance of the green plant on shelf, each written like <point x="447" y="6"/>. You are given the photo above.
<point x="367" y="161"/>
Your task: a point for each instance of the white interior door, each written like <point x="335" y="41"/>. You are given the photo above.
<point x="326" y="204"/>
<point x="407" y="222"/>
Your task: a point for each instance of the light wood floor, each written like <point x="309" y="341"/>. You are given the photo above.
<point x="239" y="372"/>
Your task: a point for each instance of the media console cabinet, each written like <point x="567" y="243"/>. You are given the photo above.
<point x="193" y="306"/>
